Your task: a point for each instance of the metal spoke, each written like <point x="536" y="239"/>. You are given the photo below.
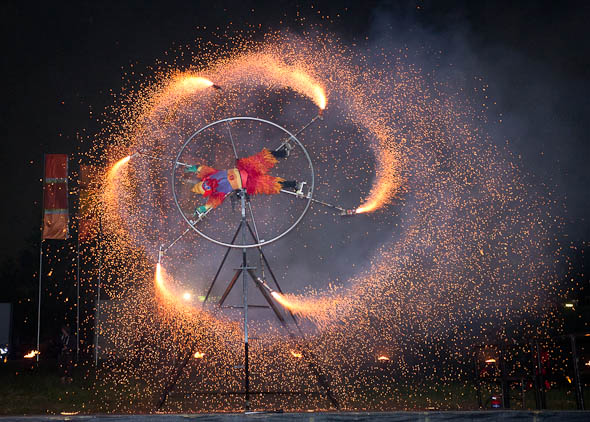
<point x="253" y="223"/>
<point x="231" y="138"/>
<point x="176" y="240"/>
<point x="286" y="140"/>
<point x="317" y="201"/>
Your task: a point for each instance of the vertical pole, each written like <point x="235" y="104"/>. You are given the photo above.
<point x="97" y="323"/>
<point x="245" y="295"/>
<point x="577" y="380"/>
<point x="504" y="382"/>
<point x="540" y="378"/>
<point x="476" y="378"/>
<point x="39" y="298"/>
<point x="41" y="260"/>
<point x="78" y="295"/>
<point x="522" y="392"/>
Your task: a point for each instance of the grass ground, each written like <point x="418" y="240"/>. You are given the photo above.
<point x="28" y="389"/>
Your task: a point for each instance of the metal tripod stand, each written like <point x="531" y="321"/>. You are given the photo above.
<point x="246" y="270"/>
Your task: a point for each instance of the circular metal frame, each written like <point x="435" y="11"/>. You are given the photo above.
<point x="252" y="245"/>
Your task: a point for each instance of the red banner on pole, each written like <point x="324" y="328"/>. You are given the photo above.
<point x="55" y="197"/>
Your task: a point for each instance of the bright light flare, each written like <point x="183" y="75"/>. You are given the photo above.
<point x="115" y="169"/>
<point x="383" y="358"/>
<point x="188" y="84"/>
<point x="199" y="355"/>
<point x="187" y="296"/>
<point x="32" y="354"/>
<point x="296" y="355"/>
<point x="492" y="360"/>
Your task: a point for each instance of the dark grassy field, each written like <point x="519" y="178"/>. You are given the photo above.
<point x="30" y="389"/>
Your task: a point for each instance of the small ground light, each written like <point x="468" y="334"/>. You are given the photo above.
<point x="32" y="354"/>
<point x="296" y="354"/>
<point x="492" y="360"/>
<point x="199" y="355"/>
<point x="383" y="358"/>
<point x="569" y="305"/>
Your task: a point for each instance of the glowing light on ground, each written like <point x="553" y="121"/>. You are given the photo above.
<point x="32" y="354"/>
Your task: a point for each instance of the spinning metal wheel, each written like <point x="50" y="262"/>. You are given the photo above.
<point x="289" y="143"/>
<point x="203" y="145"/>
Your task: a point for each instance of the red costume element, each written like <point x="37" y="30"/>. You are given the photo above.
<point x="251" y="174"/>
<point x="256" y="168"/>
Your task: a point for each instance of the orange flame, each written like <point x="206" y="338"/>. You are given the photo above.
<point x="187" y="84"/>
<point x="296" y="354"/>
<point x="199" y="355"/>
<point x="386" y="185"/>
<point x="316" y="308"/>
<point x="268" y="69"/>
<point x="32" y="354"/>
<point x="383" y="358"/>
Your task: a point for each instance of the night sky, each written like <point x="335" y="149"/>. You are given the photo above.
<point x="61" y="62"/>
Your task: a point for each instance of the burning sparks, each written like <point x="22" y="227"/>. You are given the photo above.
<point x="425" y="282"/>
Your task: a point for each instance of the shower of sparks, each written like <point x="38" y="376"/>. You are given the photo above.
<point x="470" y="253"/>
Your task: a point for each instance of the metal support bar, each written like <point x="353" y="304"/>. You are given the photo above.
<point x="577" y="380"/>
<point x="174" y="380"/>
<point x="286" y="141"/>
<point x="232" y="140"/>
<point x="229" y="287"/>
<point x="317" y="201"/>
<point x="222" y="263"/>
<point x="259" y="283"/>
<point x="153" y="157"/>
<point x="163" y="251"/>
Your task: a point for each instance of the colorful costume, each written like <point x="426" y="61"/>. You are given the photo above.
<point x="251" y="174"/>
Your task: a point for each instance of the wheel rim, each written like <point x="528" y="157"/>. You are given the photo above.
<point x="309" y="196"/>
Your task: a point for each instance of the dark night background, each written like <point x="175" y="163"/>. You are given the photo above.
<point x="62" y="61"/>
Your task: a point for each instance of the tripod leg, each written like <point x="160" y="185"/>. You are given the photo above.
<point x="173" y="381"/>
<point x="230" y="286"/>
<point x="264" y="292"/>
<point x="308" y="355"/>
<point x="222" y="263"/>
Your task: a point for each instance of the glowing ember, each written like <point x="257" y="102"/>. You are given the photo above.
<point x="492" y="360"/>
<point x="199" y="355"/>
<point x="296" y="354"/>
<point x="383" y="358"/>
